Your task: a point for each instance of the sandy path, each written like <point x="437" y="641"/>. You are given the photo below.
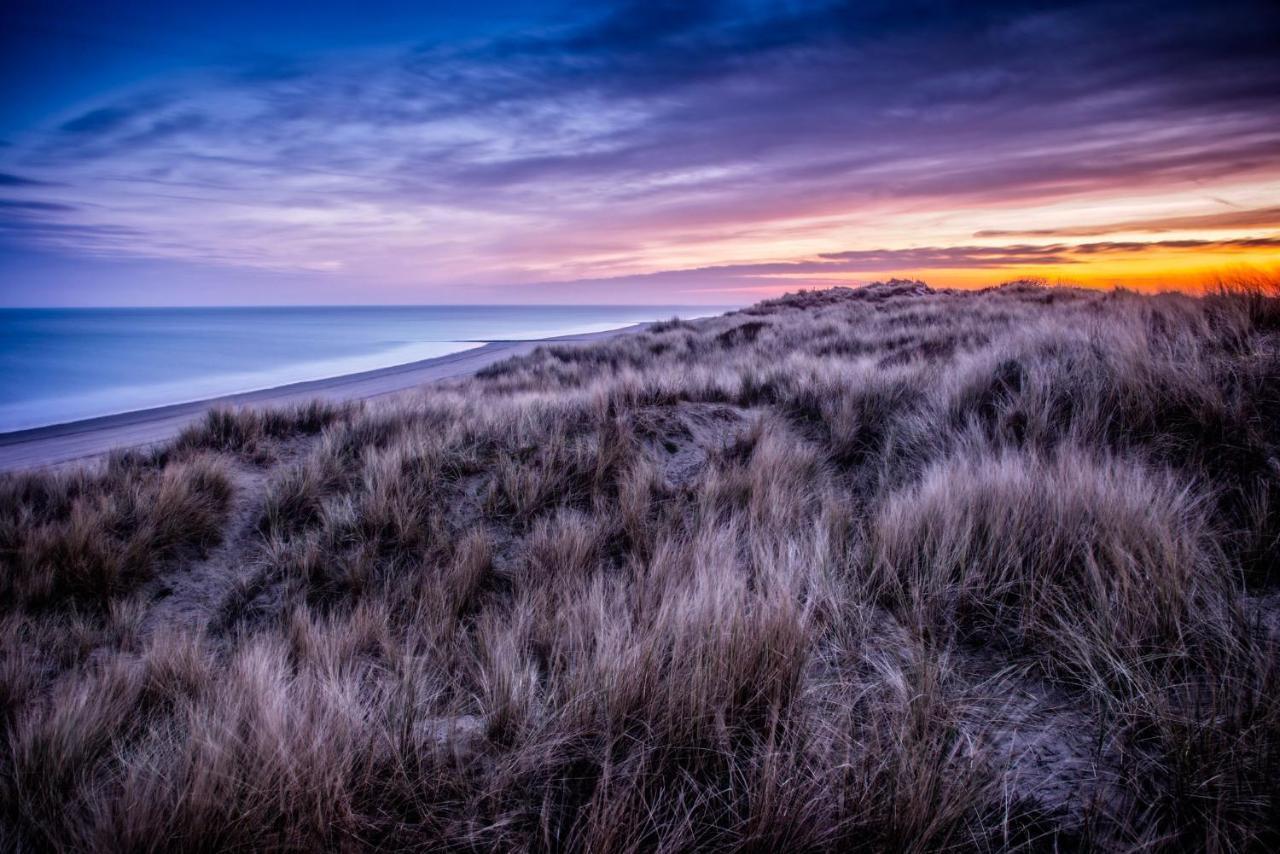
<point x="61" y="443"/>
<point x="189" y="592"/>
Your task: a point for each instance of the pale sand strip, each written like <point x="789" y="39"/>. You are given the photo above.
<point x="77" y="440"/>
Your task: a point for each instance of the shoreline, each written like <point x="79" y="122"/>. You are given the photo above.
<point x="56" y="444"/>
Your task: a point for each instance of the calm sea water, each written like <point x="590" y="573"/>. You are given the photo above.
<point x="59" y="365"/>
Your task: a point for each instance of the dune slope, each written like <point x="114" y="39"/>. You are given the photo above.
<point x="884" y="568"/>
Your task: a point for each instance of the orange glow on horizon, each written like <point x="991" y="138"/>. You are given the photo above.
<point x="1148" y="271"/>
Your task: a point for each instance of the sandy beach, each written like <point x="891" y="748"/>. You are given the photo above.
<point x="80" y="440"/>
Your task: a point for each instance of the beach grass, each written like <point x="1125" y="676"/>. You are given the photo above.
<point x="884" y="568"/>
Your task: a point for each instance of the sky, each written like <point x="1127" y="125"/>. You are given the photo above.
<point x="159" y="153"/>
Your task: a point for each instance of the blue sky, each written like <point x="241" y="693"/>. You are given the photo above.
<point x="59" y="54"/>
<point x="625" y="152"/>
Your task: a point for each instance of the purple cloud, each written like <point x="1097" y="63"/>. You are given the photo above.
<point x="1254" y="218"/>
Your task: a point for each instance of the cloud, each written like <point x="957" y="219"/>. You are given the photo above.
<point x="9" y="180"/>
<point x="98" y="121"/>
<point x="607" y="140"/>
<point x="1141" y="246"/>
<point x="1253" y="218"/>
<point x="26" y="205"/>
<point x="948" y="257"/>
<point x="64" y="231"/>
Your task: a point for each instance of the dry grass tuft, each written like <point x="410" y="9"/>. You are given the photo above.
<point x="88" y="537"/>
<point x="253" y="433"/>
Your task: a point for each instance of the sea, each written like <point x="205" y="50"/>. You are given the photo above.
<point x="59" y="365"/>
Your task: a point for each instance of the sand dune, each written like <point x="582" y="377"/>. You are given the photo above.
<point x="880" y="569"/>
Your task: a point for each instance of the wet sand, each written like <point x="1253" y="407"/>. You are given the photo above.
<point x="79" y="440"/>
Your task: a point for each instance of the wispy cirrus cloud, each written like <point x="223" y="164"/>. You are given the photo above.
<point x="1264" y="218"/>
<point x="9" y="180"/>
<point x="27" y="205"/>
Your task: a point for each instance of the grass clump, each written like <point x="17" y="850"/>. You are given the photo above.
<point x="253" y="432"/>
<point x="90" y="537"/>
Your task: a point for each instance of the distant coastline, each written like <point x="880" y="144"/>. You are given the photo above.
<point x="91" y="437"/>
<point x="63" y="365"/>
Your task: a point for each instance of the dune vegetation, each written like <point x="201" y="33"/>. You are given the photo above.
<point x="858" y="569"/>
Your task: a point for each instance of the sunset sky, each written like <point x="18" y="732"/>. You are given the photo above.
<point x="269" y="153"/>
